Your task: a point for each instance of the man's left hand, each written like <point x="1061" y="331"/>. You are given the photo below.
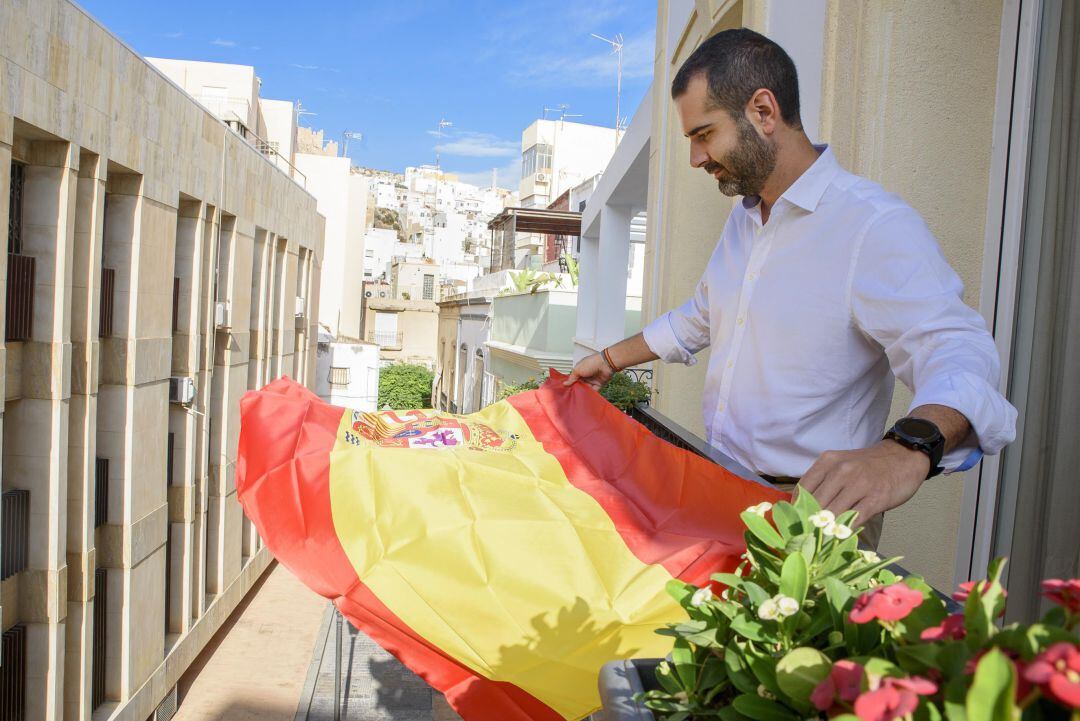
<point x="870" y="480"/>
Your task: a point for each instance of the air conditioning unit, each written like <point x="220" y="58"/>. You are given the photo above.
<point x="301" y="306"/>
<point x="382" y="293"/>
<point x="222" y="316"/>
<point x="542" y="178"/>
<point x="182" y="390"/>
<point x="368" y="293"/>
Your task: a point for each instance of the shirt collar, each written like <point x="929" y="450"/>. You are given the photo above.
<point x="808" y="188"/>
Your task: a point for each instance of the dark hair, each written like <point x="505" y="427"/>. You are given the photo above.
<point x="737" y="63"/>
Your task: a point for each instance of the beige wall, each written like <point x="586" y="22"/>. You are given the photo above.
<point x="908" y="99"/>
<point x="187" y="199"/>
<point x="417" y="323"/>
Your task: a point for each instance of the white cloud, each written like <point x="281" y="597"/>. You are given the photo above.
<point x="477" y="145"/>
<point x="304" y="67"/>
<point x="174" y="35"/>
<point x="509" y="176"/>
<point x="595" y="68"/>
<point x="223" y="43"/>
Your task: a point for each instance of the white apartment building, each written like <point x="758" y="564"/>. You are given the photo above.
<point x="155" y="261"/>
<point x="231" y="92"/>
<point x="379" y="247"/>
<point x="556" y="156"/>
<point x="342" y="197"/>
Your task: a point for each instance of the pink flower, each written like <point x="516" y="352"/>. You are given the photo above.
<point x="951" y="629"/>
<point x="1023" y="686"/>
<point x="895" y="698"/>
<point x="844" y="682"/>
<point x="961" y="594"/>
<point x="1064" y="593"/>
<point x="1057" y="672"/>
<point x="885" y="603"/>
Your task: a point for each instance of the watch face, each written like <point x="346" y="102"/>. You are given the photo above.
<point x="917" y="428"/>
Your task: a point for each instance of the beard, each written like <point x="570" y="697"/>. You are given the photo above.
<point x="748" y="165"/>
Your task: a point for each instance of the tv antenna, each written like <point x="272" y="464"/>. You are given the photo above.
<point x="616" y="49"/>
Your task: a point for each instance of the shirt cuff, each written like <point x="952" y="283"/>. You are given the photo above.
<point x="662" y="341"/>
<point x="992" y="418"/>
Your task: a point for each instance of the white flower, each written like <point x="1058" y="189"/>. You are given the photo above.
<point x="821" y="519"/>
<point x="765" y="693"/>
<point x="701" y="596"/>
<point x="838" y="530"/>
<point x="769" y="610"/>
<point x="761" y="509"/>
<point x="870" y="556"/>
<point x="786" y="605"/>
<point x="726" y="594"/>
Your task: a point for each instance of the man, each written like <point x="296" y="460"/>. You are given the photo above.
<point x="821" y="288"/>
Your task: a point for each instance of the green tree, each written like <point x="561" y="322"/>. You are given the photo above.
<point x="403" y="386"/>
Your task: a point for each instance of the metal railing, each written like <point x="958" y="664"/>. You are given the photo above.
<point x="20" y="297"/>
<point x="101" y="602"/>
<point x="13" y="674"/>
<point x="108" y="293"/>
<point x="15" y="527"/>
<point x="385" y="339"/>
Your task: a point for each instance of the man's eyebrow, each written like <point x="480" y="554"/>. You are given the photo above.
<point x="698" y="129"/>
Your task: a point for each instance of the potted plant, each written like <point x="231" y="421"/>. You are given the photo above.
<point x="810" y="626"/>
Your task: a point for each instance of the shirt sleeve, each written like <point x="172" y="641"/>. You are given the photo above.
<point x="677" y="335"/>
<point x="906" y="297"/>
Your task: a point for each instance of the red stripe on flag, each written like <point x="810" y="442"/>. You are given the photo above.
<point x="283" y="484"/>
<point x="670" y="506"/>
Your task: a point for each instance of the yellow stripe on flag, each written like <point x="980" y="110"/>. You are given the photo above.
<point x="497" y="560"/>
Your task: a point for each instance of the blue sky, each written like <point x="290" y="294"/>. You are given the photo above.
<point x="392" y="69"/>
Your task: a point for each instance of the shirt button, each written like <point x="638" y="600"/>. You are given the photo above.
<point x="730" y="364"/>
<point x="739" y="320"/>
<point x="720" y="408"/>
<point x="752" y="276"/>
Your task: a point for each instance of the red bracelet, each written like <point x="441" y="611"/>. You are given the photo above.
<point x="607" y="359"/>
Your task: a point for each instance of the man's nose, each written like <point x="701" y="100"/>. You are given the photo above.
<point x="698" y="156"/>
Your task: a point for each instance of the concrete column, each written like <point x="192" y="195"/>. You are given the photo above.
<point x="82" y="436"/>
<point x="612" y="261"/>
<point x="589" y="272"/>
<point x="132" y="401"/>
<point x="36" y="425"/>
<point x="229" y="383"/>
<point x="260" y="269"/>
<point x="288" y="311"/>
<point x="6" y="126"/>
<point x="184" y="423"/>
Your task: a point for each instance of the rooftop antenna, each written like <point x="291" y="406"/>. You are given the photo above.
<point x="616" y="49"/>
<point x="346" y="137"/>
<point x="443" y="123"/>
<point x="561" y="109"/>
<point x="300" y="111"/>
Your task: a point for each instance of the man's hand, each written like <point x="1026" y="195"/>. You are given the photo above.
<point x="592" y="370"/>
<point x="871" y="480"/>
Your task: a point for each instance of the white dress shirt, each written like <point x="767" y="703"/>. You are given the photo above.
<point x="810" y="315"/>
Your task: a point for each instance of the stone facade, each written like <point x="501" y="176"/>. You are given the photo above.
<point x="127" y="184"/>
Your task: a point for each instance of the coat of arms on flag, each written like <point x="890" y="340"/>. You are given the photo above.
<point x="503" y="556"/>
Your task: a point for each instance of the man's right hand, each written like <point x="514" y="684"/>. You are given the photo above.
<point x="592" y="370"/>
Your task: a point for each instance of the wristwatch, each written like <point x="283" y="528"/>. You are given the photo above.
<point x="921" y="435"/>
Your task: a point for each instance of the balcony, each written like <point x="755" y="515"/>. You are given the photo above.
<point x="385" y="339"/>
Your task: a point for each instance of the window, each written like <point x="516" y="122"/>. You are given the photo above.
<point x="339" y="376"/>
<point x="536" y="159"/>
<point x="429" y="287"/>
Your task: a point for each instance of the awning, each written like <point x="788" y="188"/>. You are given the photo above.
<point x="538" y="220"/>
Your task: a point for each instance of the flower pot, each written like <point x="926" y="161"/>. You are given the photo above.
<point x="619" y="682"/>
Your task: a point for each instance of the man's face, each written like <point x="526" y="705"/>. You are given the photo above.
<point x="730" y="149"/>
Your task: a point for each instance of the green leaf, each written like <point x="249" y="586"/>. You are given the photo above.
<point x="804" y="543"/>
<point x="728" y="713"/>
<point x="762" y="529"/>
<point x="756" y="593"/>
<point x="730" y="580"/>
<point x="680" y="590"/>
<point x="955" y="692"/>
<point x="838" y="595"/>
<point x="764" y="669"/>
<point x="682" y="657"/>
<point x="713" y="673"/>
<point x="794" y="577"/>
<point x="761" y="709"/>
<point x="787" y="519"/>
<point x="751" y="629"/>
<point x="993" y="690"/>
<point x="665" y="675"/>
<point x="917" y="657"/>
<point x="800" y="671"/>
<point x="805" y="503"/>
<point x="738" y="670"/>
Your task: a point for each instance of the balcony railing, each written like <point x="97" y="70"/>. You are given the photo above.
<point x="13" y="674"/>
<point x="15" y="527"/>
<point x="20" y="297"/>
<point x="385" y="339"/>
<point x="108" y="292"/>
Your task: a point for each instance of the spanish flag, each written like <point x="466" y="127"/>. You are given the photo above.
<point x="503" y="556"/>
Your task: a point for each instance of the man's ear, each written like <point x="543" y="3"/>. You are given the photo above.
<point x="763" y="111"/>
